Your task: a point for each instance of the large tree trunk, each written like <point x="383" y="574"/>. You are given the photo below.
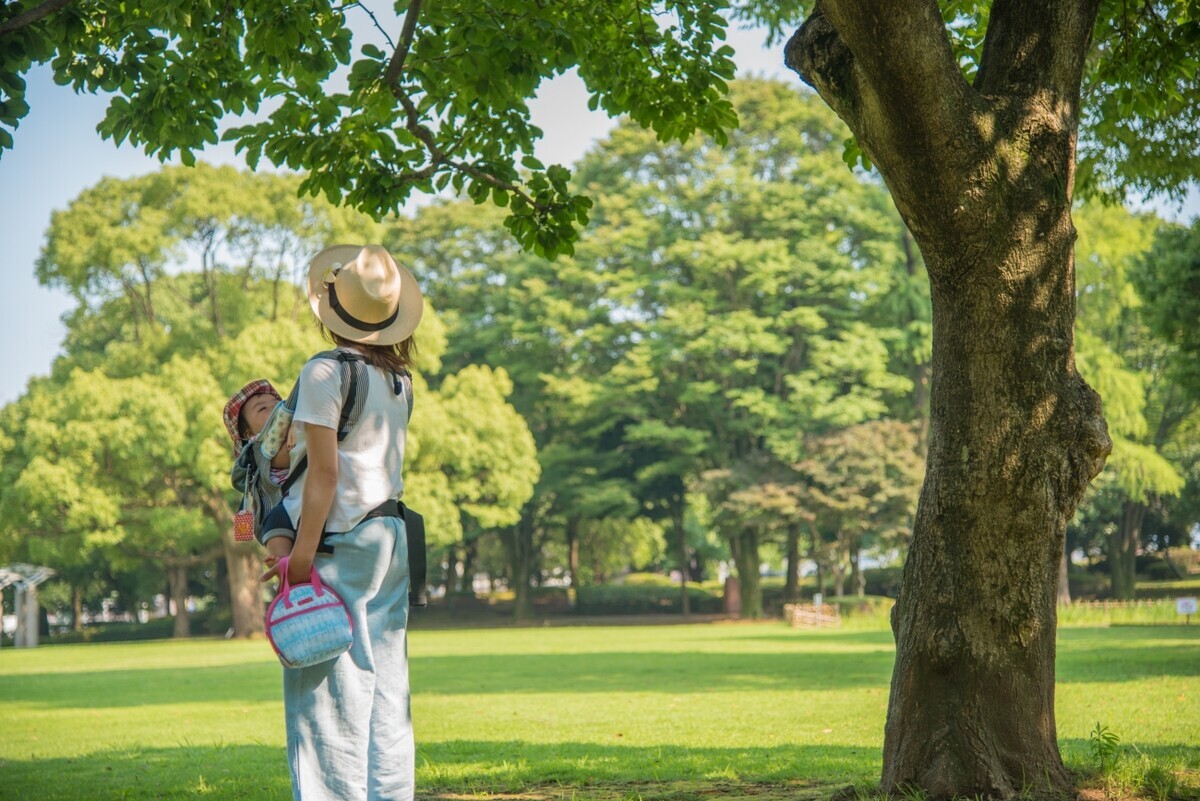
<point x="452" y="575"/>
<point x="470" y="554"/>
<point x="76" y="608"/>
<point x="518" y="547"/>
<point x="838" y="568"/>
<point x="791" y="587"/>
<point x="177" y="579"/>
<point x="744" y="546"/>
<point x="920" y="374"/>
<point x="572" y="534"/>
<point x="856" y="572"/>
<point x="243" y="566"/>
<point x="1064" y="585"/>
<point x="684" y="561"/>
<point x="1122" y="550"/>
<point x="983" y="175"/>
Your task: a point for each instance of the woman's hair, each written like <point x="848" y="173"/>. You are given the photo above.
<point x="398" y="358"/>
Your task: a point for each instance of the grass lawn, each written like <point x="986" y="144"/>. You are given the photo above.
<point x="680" y="712"/>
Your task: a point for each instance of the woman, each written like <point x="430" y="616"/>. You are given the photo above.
<point x="349" y="729"/>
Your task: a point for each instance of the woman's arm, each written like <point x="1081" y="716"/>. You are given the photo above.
<point x="319" y="487"/>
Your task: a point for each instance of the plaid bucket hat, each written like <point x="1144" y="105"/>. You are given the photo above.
<point x="233" y="409"/>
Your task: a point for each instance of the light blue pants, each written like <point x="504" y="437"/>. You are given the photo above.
<point x="349" y="724"/>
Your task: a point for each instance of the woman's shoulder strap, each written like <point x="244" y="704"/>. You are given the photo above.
<point x="354" y="384"/>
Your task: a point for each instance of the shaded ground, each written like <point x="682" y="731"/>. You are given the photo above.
<point x="653" y="791"/>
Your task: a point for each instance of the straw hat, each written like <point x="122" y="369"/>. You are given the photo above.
<point x="361" y="294"/>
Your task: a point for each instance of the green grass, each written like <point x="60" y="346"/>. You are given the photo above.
<point x="1169" y="589"/>
<point x="1147" y="613"/>
<point x="671" y="712"/>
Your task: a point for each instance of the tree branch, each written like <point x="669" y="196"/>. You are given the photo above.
<point x="1033" y="45"/>
<point x="900" y="58"/>
<point x="888" y="70"/>
<point x="32" y="15"/>
<point x="396" y="65"/>
<point x="374" y="21"/>
<point x="438" y="156"/>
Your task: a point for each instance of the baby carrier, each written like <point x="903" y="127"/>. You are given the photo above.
<point x="263" y="498"/>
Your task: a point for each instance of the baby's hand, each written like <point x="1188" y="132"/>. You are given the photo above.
<point x="277" y="548"/>
<point x="290" y="442"/>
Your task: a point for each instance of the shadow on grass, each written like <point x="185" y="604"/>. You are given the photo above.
<point x="451" y="769"/>
<point x="673" y="671"/>
<point x="511" y="769"/>
<point x="682" y="672"/>
<point x="215" y="773"/>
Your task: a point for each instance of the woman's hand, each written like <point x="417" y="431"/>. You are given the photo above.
<point x="299" y="569"/>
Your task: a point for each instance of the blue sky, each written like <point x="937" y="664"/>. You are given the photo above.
<point x="58" y="153"/>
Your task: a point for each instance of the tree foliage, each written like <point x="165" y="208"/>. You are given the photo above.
<point x="122" y="450"/>
<point x="445" y="104"/>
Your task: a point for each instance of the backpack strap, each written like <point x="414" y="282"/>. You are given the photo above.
<point x="414" y="533"/>
<point x="354" y="395"/>
<point x="414" y="530"/>
<point x="402" y="384"/>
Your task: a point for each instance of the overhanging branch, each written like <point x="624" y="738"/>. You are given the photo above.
<point x="438" y="156"/>
<point x="31" y="16"/>
<point x="396" y="65"/>
<point x="412" y="118"/>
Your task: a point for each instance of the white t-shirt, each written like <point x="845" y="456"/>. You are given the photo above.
<point x="371" y="456"/>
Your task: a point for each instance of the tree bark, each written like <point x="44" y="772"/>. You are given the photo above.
<point x="76" y="608"/>
<point x="518" y="546"/>
<point x="685" y="606"/>
<point x="470" y="554"/>
<point x="1123" y="548"/>
<point x="177" y="578"/>
<point x="744" y="546"/>
<point x="920" y="375"/>
<point x="856" y="572"/>
<point x="1064" y="585"/>
<point x="791" y="588"/>
<point x="31" y="16"/>
<point x="983" y="176"/>
<point x="243" y="566"/>
<point x="838" y="568"/>
<point x="572" y="533"/>
<point x="453" y="576"/>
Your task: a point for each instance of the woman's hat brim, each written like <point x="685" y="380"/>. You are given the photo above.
<point x="411" y="303"/>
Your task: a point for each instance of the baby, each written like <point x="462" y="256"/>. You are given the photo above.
<point x="260" y="476"/>
<point x="245" y="415"/>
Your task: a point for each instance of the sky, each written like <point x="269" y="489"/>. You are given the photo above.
<point x="57" y="154"/>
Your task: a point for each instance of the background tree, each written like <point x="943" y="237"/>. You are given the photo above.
<point x="163" y="349"/>
<point x="1129" y="367"/>
<point x="860" y="484"/>
<point x="112" y="248"/>
<point x="473" y="460"/>
<point x="752" y="270"/>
